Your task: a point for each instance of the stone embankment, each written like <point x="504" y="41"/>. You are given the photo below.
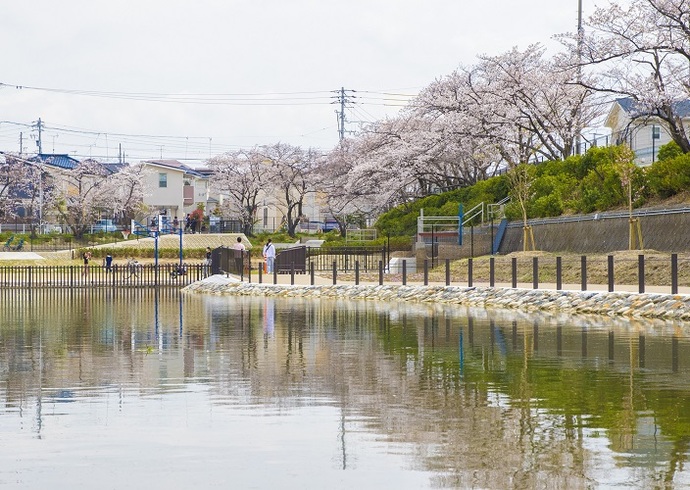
<point x="662" y="306"/>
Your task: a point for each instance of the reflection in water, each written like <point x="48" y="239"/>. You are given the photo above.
<point x="302" y="394"/>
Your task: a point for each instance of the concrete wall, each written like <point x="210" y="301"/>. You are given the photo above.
<point x="665" y="233"/>
<point x="588" y="234"/>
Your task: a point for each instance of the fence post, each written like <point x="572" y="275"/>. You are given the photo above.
<point x="535" y="272"/>
<point x="426" y="272"/>
<point x="447" y="272"/>
<point x="71" y="276"/>
<point x="674" y="273"/>
<point x="404" y="272"/>
<point x="335" y="272"/>
<point x="470" y="266"/>
<point x="31" y="270"/>
<point x="292" y="273"/>
<point x="610" y="273"/>
<point x="356" y="272"/>
<point x="640" y="273"/>
<point x="513" y="270"/>
<point x="261" y="272"/>
<point x="492" y="271"/>
<point x="275" y="274"/>
<point x="380" y="272"/>
<point x="559" y="273"/>
<point x="311" y="272"/>
<point x="583" y="272"/>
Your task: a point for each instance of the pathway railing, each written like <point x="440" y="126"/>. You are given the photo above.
<point x="558" y="273"/>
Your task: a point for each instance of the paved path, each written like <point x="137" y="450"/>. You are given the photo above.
<point x="20" y="256"/>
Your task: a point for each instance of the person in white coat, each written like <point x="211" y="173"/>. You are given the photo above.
<point x="269" y="256"/>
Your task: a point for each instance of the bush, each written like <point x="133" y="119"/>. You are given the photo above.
<point x="668" y="177"/>
<point x="669" y="151"/>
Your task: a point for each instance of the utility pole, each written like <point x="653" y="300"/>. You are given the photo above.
<point x="580" y="41"/>
<point x="343" y="98"/>
<point x="39" y="126"/>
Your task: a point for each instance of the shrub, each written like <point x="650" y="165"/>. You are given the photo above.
<point x="670" y="176"/>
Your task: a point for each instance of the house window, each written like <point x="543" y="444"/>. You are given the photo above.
<point x="162" y="179"/>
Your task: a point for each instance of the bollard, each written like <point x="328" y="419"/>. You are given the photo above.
<point x="470" y="265"/>
<point x="426" y="272"/>
<point x="404" y="272"/>
<point x="292" y="274"/>
<point x="335" y="273"/>
<point x="583" y="272"/>
<point x="610" y="273"/>
<point x="674" y="273"/>
<point x="380" y="272"/>
<point x="356" y="272"/>
<point x="513" y="270"/>
<point x="261" y="270"/>
<point x="640" y="273"/>
<point x="311" y="273"/>
<point x="447" y="272"/>
<point x="535" y="273"/>
<point x="492" y="272"/>
<point x="559" y="273"/>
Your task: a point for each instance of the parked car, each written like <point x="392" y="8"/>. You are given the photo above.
<point x="103" y="225"/>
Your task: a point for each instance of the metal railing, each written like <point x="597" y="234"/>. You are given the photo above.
<point x="125" y="275"/>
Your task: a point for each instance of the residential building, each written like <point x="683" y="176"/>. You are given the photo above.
<point x="644" y="133"/>
<point x="174" y="189"/>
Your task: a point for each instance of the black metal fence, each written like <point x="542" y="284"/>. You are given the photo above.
<point x="134" y="275"/>
<point x="345" y="258"/>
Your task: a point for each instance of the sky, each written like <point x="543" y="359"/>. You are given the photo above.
<point x="190" y="79"/>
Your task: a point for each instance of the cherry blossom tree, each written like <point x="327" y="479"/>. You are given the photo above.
<point x="337" y="192"/>
<point x="126" y="189"/>
<point x="78" y="195"/>
<point x="241" y="176"/>
<point x="641" y="51"/>
<point x="530" y="105"/>
<point x="290" y="171"/>
<point x="20" y="186"/>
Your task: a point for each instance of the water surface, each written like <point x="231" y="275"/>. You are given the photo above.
<point x="137" y="389"/>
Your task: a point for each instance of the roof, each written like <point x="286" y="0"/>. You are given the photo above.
<point x="113" y="168"/>
<point x="630" y="105"/>
<point x="61" y="161"/>
<point x="175" y="165"/>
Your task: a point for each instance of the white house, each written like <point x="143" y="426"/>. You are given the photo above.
<point x="174" y="189"/>
<point x="642" y="132"/>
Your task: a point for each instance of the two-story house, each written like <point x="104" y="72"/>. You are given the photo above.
<point x="174" y="189"/>
<point x="644" y="133"/>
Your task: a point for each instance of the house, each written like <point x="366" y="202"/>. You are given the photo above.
<point x="644" y="133"/>
<point x="174" y="189"/>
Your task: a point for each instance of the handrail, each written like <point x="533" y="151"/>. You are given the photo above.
<point x="474" y="212"/>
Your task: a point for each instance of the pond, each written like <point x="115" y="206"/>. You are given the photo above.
<point x="145" y="389"/>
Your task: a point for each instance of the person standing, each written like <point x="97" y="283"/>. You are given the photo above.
<point x="207" y="262"/>
<point x="239" y="248"/>
<point x="108" y="263"/>
<point x="269" y="256"/>
<point x="86" y="256"/>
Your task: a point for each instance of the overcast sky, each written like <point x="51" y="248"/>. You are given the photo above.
<point x="289" y="54"/>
